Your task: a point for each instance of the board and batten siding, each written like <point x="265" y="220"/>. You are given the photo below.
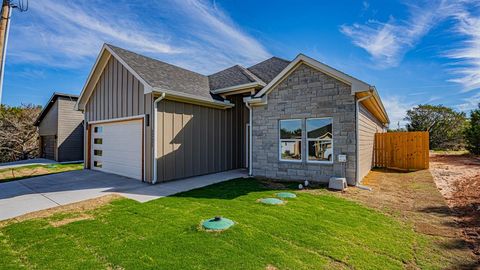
<point x="49" y="124"/>
<point x="119" y="94"/>
<point x="368" y="125"/>
<point x="70" y="131"/>
<point x="196" y="140"/>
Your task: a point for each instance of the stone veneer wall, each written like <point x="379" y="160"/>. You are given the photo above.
<point x="305" y="93"/>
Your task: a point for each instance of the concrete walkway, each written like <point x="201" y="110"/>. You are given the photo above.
<point x="27" y="162"/>
<point x="43" y="192"/>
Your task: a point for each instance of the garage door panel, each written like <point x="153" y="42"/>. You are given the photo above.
<point x="119" y="148"/>
<point x="121" y="169"/>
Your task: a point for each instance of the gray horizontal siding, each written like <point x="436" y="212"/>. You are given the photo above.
<point x="49" y="124"/>
<point x="368" y="125"/>
<point x="70" y="131"/>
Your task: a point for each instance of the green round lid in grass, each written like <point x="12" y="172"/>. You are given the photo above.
<point x="273" y="201"/>
<point x="286" y="195"/>
<point x="217" y="224"/>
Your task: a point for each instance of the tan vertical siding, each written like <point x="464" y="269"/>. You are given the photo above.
<point x="368" y="125"/>
<point x="119" y="94"/>
<point x="195" y="140"/>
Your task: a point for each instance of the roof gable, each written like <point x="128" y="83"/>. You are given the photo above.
<point x="356" y="84"/>
<point x="50" y="103"/>
<point x="155" y="75"/>
<point x="163" y="76"/>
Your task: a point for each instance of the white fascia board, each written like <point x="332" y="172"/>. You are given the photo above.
<point x="238" y="87"/>
<point x="356" y="85"/>
<point x="255" y="101"/>
<point x="92" y="71"/>
<point x="377" y="96"/>
<point x="80" y="106"/>
<point x="224" y="104"/>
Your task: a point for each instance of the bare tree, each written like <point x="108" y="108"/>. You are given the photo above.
<point x="18" y="136"/>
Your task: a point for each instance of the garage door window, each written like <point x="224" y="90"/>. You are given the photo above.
<point x="97" y="152"/>
<point x="97" y="141"/>
<point x="97" y="164"/>
<point x="98" y="130"/>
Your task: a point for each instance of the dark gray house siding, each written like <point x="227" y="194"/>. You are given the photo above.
<point x="60" y="128"/>
<point x="305" y="93"/>
<point x="70" y="131"/>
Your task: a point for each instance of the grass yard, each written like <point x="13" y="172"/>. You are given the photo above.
<point x="18" y="173"/>
<point x="313" y="231"/>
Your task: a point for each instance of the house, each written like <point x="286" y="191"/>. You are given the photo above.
<point x="60" y="129"/>
<point x="281" y="119"/>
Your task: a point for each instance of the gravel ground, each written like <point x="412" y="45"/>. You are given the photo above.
<point x="457" y="176"/>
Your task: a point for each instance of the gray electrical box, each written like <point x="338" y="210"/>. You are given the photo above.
<point x="342" y="158"/>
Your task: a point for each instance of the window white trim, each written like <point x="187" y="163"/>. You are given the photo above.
<point x="280" y="140"/>
<point x="316" y="140"/>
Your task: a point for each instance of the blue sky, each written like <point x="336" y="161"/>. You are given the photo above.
<point x="412" y="51"/>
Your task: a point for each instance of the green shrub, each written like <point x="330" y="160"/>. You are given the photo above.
<point x="472" y="132"/>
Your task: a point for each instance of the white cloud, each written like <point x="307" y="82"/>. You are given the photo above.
<point x="215" y="41"/>
<point x="69" y="34"/>
<point x="397" y="109"/>
<point x="387" y="42"/>
<point x="469" y="103"/>
<point x="466" y="56"/>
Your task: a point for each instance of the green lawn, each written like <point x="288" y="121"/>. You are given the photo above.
<point x="27" y="171"/>
<point x="310" y="232"/>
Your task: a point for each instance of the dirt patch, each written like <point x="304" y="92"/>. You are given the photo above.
<point x="271" y="267"/>
<point x="79" y="207"/>
<point x="23" y="172"/>
<point x="65" y="221"/>
<point x="413" y="198"/>
<point x="458" y="179"/>
<point x="274" y="185"/>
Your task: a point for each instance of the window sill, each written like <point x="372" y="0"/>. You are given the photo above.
<point x="289" y="161"/>
<point x="321" y="162"/>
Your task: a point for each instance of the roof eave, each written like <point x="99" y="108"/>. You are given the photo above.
<point x="238" y="87"/>
<point x="53" y="98"/>
<point x="194" y="99"/>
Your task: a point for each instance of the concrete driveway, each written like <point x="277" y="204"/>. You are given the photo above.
<point x="43" y="192"/>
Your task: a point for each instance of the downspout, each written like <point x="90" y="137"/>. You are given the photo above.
<point x="154" y="126"/>
<point x="250" y="171"/>
<point x="357" y="112"/>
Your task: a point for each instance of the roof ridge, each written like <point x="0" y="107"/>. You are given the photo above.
<point x="249" y="74"/>
<point x="273" y="57"/>
<point x="154" y="59"/>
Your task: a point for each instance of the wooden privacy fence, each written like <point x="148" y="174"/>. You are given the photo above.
<point x="401" y="150"/>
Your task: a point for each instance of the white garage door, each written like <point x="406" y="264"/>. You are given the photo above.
<point x="117" y="148"/>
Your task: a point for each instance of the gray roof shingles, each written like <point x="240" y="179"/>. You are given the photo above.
<point x="229" y="77"/>
<point x="269" y="69"/>
<point x="165" y="76"/>
<point x="168" y="77"/>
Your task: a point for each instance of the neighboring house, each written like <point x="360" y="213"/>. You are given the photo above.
<point x="60" y="128"/>
<point x="290" y="120"/>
